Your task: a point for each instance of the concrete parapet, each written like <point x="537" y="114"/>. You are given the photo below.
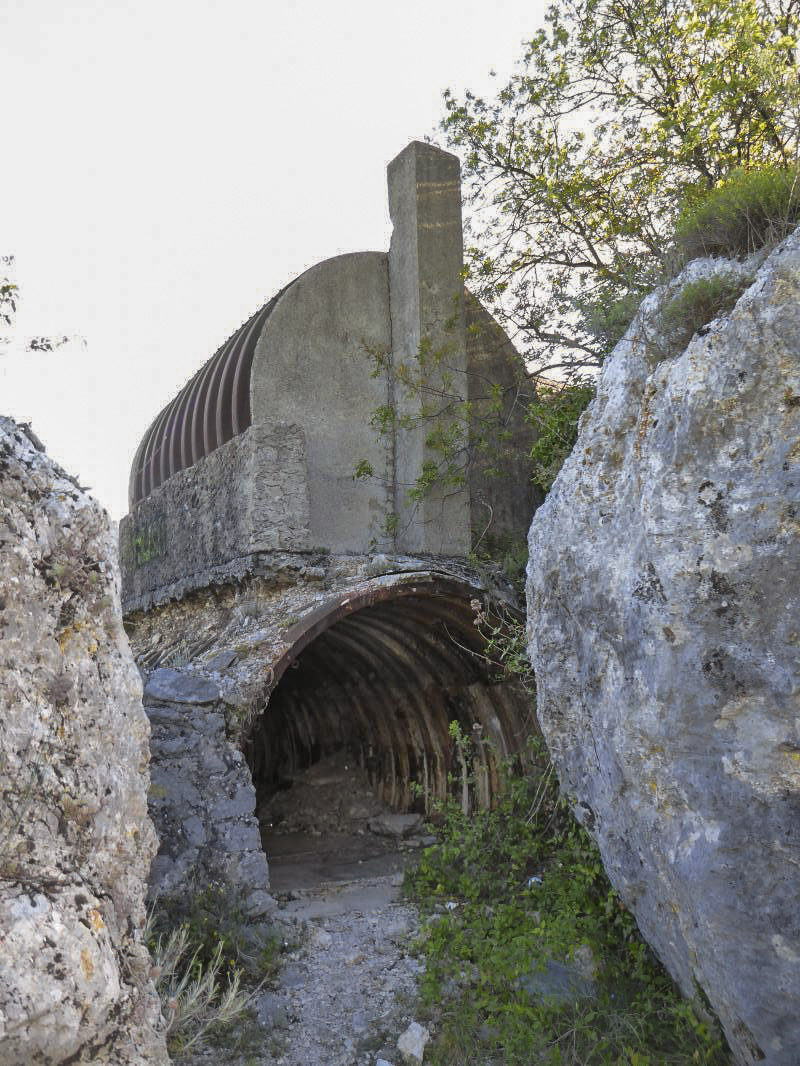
<point x="247" y="496"/>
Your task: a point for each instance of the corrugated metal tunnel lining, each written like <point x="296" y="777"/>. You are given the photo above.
<point x="383" y="683"/>
<point x="210" y="409"/>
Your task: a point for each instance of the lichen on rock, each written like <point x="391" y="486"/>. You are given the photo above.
<point x="664" y="627"/>
<point x="75" y="838"/>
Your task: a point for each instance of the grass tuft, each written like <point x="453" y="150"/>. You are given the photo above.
<point x="751" y="209"/>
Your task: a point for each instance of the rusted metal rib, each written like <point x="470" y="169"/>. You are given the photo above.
<point x="385" y="669"/>
<point x="210" y="409"/>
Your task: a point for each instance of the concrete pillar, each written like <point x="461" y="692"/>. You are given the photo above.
<point x="427" y="313"/>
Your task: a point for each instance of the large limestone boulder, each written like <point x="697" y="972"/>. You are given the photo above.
<point x="75" y="839"/>
<point x="664" y="629"/>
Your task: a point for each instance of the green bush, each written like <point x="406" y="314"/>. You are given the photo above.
<point x="512" y="891"/>
<point x="751" y="209"/>
<point x="695" y="306"/>
<point x="555" y="413"/>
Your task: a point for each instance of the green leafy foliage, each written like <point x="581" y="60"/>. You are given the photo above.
<point x="580" y="165"/>
<point x="555" y="413"/>
<point x="458" y="432"/>
<point x="745" y="212"/>
<point x="512" y="891"/>
<point x="363" y="469"/>
<point x="503" y="631"/>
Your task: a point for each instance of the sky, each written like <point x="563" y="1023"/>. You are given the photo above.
<point x="167" y="166"/>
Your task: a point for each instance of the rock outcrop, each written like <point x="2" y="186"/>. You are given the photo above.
<point x="664" y="629"/>
<point x="75" y="838"/>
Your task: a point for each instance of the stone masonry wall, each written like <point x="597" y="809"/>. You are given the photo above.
<point x="249" y="495"/>
<point x="201" y="797"/>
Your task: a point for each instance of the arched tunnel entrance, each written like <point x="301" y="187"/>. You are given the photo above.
<point x="359" y="717"/>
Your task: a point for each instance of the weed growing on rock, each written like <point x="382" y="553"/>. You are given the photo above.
<point x="214" y="917"/>
<point x="531" y="956"/>
<point x="210" y="960"/>
<point x="751" y="209"/>
<point x="197" y="998"/>
<point x="698" y="304"/>
<point x="505" y="647"/>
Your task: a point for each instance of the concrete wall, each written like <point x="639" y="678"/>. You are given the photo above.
<point x="312" y="367"/>
<point x="426" y="257"/>
<point x="287" y="483"/>
<point x="250" y="495"/>
<point x="506" y="500"/>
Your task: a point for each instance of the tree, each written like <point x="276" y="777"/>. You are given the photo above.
<point x="8" y="292"/>
<point x="9" y="296"/>
<point x="623" y="112"/>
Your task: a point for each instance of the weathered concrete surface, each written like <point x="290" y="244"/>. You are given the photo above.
<point x="75" y="838"/>
<point x="664" y="626"/>
<point x="500" y="507"/>
<point x="312" y="366"/>
<point x="323" y="393"/>
<point x="426" y="257"/>
<point x="250" y="495"/>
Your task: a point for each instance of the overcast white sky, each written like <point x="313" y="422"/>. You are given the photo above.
<point x="167" y="166"/>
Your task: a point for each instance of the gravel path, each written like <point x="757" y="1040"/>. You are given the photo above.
<point x="347" y="995"/>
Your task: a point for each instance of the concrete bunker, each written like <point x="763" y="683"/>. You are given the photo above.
<point x="283" y="610"/>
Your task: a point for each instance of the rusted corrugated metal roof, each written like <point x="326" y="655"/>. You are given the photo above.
<point x="210" y="409"/>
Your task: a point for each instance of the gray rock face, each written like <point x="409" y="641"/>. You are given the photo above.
<point x="172" y="686"/>
<point x="202" y="798"/>
<point x="664" y="628"/>
<point x="75" y="838"/>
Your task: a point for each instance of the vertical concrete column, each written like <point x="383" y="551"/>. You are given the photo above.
<point x="427" y="313"/>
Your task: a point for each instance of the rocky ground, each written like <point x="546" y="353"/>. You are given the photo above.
<point x="345" y="993"/>
<point x="346" y="996"/>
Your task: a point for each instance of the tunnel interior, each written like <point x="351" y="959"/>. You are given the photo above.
<point x="379" y="686"/>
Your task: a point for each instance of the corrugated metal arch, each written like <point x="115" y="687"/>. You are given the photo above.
<point x="384" y="670"/>
<point x="210" y="409"/>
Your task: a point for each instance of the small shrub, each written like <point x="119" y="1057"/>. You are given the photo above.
<point x="197" y="998"/>
<point x="750" y="209"/>
<point x="555" y="414"/>
<point x="210" y="959"/>
<point x="215" y="918"/>
<point x="695" y="306"/>
<point x="506" y="641"/>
